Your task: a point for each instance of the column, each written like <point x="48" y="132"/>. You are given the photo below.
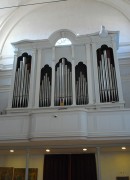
<point x="89" y="74"/>
<point x="98" y="163"/>
<point x="38" y="77"/>
<point x="32" y="80"/>
<point x="27" y="165"/>
<point x="53" y="77"/>
<point x="12" y="79"/>
<point x="96" y="84"/>
<point x="73" y="76"/>
<point x="118" y="77"/>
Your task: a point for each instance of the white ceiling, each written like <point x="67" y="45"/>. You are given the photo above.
<point x="121" y="5"/>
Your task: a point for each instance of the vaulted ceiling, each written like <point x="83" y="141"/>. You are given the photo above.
<point x="7" y="7"/>
<point x="12" y="12"/>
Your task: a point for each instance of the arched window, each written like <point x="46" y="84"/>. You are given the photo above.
<point x="63" y="42"/>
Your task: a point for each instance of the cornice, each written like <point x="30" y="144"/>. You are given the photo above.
<point x="4" y="88"/>
<point x="6" y="67"/>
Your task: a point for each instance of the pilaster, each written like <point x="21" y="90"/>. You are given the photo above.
<point x="38" y="73"/>
<point x="98" y="163"/>
<point x="89" y="74"/>
<point x="118" y="77"/>
<point x="12" y="80"/>
<point x="53" y="77"/>
<point x="73" y="76"/>
<point x="32" y="79"/>
<point x="95" y="71"/>
<point x="27" y="165"/>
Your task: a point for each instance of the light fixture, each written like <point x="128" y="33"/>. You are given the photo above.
<point x="123" y="148"/>
<point x="11" y="150"/>
<point x="47" y="150"/>
<point x="84" y="149"/>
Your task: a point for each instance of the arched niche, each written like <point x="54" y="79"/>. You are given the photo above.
<point x="22" y="81"/>
<point x="107" y="75"/>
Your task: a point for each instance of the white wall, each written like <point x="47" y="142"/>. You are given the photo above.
<point x="5" y="82"/>
<point x="19" y="161"/>
<point x="115" y="164"/>
<point x="125" y="79"/>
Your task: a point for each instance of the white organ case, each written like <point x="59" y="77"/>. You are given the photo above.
<point x="84" y="73"/>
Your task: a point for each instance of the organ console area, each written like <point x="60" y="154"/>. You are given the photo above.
<point x="83" y="73"/>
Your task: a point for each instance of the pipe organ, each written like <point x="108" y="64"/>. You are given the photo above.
<point x="107" y="75"/>
<point x="22" y="82"/>
<point x="45" y="87"/>
<point x="81" y="84"/>
<point x="84" y="73"/>
<point x="63" y="83"/>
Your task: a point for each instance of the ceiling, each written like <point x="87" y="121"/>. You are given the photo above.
<point x="64" y="146"/>
<point x="8" y="6"/>
<point x="11" y="13"/>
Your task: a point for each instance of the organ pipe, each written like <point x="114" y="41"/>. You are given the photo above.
<point x="22" y="82"/>
<point x="107" y="75"/>
<point x="45" y="87"/>
<point x="81" y="84"/>
<point x="63" y="83"/>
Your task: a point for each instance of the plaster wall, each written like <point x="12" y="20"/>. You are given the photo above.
<point x="125" y="78"/>
<point x="113" y="164"/>
<point x="79" y="16"/>
<point x="19" y="161"/>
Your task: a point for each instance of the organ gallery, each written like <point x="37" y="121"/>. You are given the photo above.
<point x="81" y="73"/>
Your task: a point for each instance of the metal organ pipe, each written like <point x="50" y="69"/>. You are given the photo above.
<point x="45" y="87"/>
<point x="21" y="83"/>
<point x="63" y="83"/>
<point x="81" y="90"/>
<point x="81" y="84"/>
<point x="107" y="79"/>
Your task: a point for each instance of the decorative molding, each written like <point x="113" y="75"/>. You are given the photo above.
<point x="4" y="88"/>
<point x="5" y="73"/>
<point x="125" y="78"/>
<point x="125" y="62"/>
<point x="83" y="124"/>
<point x="6" y="67"/>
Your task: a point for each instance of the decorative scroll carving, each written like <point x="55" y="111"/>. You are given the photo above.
<point x="107" y="75"/>
<point x="81" y="84"/>
<point x="63" y="83"/>
<point x="45" y="87"/>
<point x="22" y="81"/>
